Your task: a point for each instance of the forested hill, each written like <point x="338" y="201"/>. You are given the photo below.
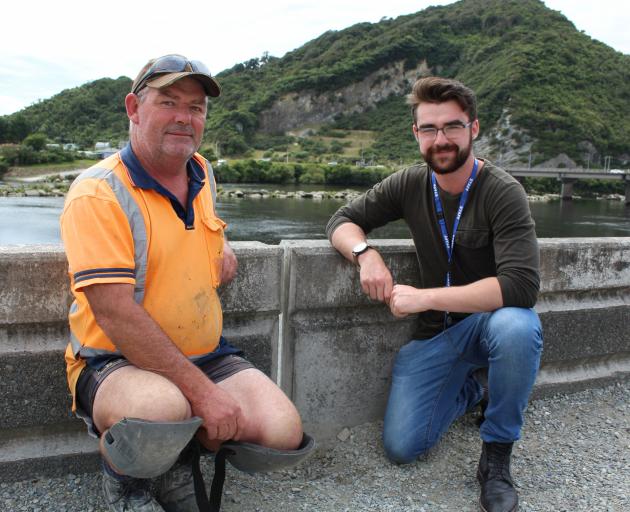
<point x="543" y="87"/>
<point x="93" y="112"/>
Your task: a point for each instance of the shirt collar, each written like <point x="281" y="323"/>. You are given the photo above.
<point x="142" y="179"/>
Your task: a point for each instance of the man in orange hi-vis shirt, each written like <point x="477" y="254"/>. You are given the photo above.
<point x="147" y="365"/>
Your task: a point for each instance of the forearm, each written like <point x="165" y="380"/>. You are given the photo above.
<point x="346" y="237"/>
<point x="141" y="340"/>
<point x="480" y="296"/>
<point x="230" y="264"/>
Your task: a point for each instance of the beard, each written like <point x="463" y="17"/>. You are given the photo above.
<point x="445" y="163"/>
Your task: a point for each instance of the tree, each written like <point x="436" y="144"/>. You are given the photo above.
<point x="36" y="141"/>
<point x="4" y="167"/>
<point x="4" y="129"/>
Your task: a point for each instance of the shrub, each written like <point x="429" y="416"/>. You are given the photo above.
<point x="35" y="141"/>
<point x="277" y="173"/>
<point x="338" y="174"/>
<point x="4" y="167"/>
<point x="226" y="174"/>
<point x="313" y="176"/>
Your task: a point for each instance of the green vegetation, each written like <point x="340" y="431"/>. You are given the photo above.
<point x="82" y="115"/>
<point x="49" y="168"/>
<point x="25" y="154"/>
<point x="561" y="91"/>
<point x="256" y="171"/>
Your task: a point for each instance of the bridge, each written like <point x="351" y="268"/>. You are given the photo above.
<point x="568" y="177"/>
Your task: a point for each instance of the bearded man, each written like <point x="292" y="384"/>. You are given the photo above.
<point x="477" y="339"/>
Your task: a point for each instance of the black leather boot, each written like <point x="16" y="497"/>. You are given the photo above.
<point x="497" y="488"/>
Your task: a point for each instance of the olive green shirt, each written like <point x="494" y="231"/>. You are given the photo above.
<point x="495" y="237"/>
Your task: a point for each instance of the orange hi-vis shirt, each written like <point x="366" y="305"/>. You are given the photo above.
<point x="119" y="225"/>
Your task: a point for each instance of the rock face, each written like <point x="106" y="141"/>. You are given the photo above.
<point x="296" y="110"/>
<point x="505" y="143"/>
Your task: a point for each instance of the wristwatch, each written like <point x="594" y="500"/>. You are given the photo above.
<point x="359" y="249"/>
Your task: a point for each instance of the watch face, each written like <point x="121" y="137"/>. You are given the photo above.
<point x="359" y="248"/>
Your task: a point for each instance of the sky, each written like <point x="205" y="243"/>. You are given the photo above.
<point x="46" y="47"/>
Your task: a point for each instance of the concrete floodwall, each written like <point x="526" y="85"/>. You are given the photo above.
<point x="298" y="311"/>
<point x="340" y="346"/>
<point x="38" y="433"/>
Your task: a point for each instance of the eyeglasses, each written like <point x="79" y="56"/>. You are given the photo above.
<point x="450" y="131"/>
<point x="170" y="64"/>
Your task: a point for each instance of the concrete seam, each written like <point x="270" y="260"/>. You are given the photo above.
<point x="283" y="319"/>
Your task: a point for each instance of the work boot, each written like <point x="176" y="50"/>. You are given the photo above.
<point x="497" y="488"/>
<point x="128" y="495"/>
<point x="176" y="487"/>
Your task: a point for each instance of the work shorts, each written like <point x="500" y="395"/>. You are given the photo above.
<point x="224" y="362"/>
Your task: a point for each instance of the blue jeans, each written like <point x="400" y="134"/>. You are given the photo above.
<point x="432" y="384"/>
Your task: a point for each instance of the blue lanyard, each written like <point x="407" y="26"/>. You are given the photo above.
<point x="450" y="244"/>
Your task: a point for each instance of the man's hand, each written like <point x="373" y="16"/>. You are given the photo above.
<point x="229" y="266"/>
<point x="221" y="414"/>
<point x="376" y="279"/>
<point x="406" y="300"/>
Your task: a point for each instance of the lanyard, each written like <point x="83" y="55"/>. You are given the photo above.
<point x="450" y="244"/>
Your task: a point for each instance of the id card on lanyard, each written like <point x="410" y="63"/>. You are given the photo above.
<point x="449" y="244"/>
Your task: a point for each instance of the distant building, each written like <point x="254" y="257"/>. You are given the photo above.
<point x="70" y="146"/>
<point x="101" y="145"/>
<point x="107" y="152"/>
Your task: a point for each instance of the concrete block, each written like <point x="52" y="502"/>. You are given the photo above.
<point x="338" y="344"/>
<point x="33" y="390"/>
<point x="584" y="306"/>
<point x="256" y="287"/>
<point x="342" y="366"/>
<point x="34" y="284"/>
<point x="46" y="451"/>
<point x="251" y="303"/>
<point x="573" y="264"/>
<point x="256" y="335"/>
<point x="585" y="333"/>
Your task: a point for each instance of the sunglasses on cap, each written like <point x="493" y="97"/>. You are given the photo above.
<point x="176" y="64"/>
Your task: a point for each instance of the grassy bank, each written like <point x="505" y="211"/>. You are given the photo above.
<point x="43" y="169"/>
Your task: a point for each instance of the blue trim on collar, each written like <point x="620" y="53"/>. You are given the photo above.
<point x="142" y="179"/>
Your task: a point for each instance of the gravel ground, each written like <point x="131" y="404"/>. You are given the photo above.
<point x="574" y="456"/>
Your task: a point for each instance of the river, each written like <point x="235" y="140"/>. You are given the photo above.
<point x="35" y="220"/>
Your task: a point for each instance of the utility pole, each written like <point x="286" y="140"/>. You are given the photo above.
<point x="529" y="164"/>
<point x="287" y="156"/>
<point x="607" y="163"/>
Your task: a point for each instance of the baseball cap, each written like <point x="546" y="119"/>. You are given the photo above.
<point x="166" y="70"/>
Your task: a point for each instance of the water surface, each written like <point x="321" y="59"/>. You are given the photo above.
<point x="28" y="220"/>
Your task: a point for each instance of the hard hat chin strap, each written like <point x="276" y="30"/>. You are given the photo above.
<point x="248" y="457"/>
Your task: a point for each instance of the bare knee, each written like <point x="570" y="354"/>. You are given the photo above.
<point x="133" y="393"/>
<point x="282" y="430"/>
<point x="271" y="418"/>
